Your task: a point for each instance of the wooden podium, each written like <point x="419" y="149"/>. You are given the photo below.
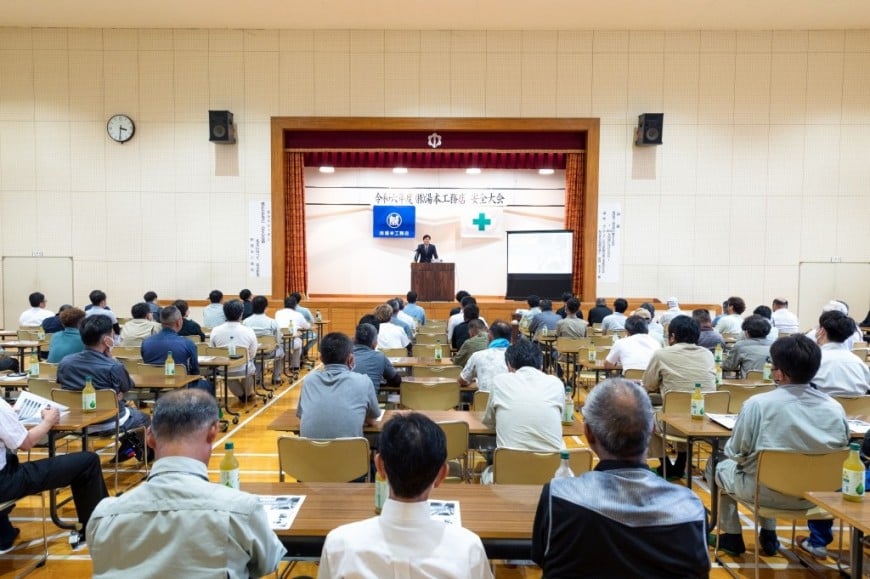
<point x="433" y="282"/>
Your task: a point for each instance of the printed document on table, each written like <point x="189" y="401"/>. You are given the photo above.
<point x="858" y="426"/>
<point x="281" y="509"/>
<point x="445" y="511"/>
<point x="726" y="420"/>
<point x="29" y="407"/>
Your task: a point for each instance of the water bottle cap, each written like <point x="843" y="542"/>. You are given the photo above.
<point x="564" y="455"/>
<point x="854" y="446"/>
<point x="228" y="446"/>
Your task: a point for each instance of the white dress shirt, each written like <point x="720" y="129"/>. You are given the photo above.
<point x="34" y="316"/>
<point x="526" y="409"/>
<point x="392" y="336"/>
<point x="842" y="373"/>
<point x="403" y="543"/>
<point x="484" y="366"/>
<point x="730" y="324"/>
<point x="243" y="337"/>
<point x="633" y="352"/>
<point x="786" y="321"/>
<point x="286" y="315"/>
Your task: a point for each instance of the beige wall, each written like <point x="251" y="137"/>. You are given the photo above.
<point x="764" y="165"/>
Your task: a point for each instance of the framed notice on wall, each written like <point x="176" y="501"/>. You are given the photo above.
<point x="393" y="221"/>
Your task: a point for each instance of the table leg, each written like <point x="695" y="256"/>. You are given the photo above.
<point x="52" y="493"/>
<point x="714" y="487"/>
<point x="235" y="415"/>
<point x="856" y="550"/>
<point x="691" y="444"/>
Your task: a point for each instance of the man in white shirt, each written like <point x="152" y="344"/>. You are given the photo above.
<point x="732" y="322"/>
<point x="241" y="382"/>
<point x="615" y="321"/>
<point x="404" y="317"/>
<point x="263" y="325"/>
<point x="843" y="308"/>
<point x="525" y="405"/>
<point x="784" y="320"/>
<point x="672" y="312"/>
<point x="485" y="365"/>
<point x="404" y="541"/>
<point x="37" y="311"/>
<point x="841" y="373"/>
<point x="213" y="313"/>
<point x="98" y="307"/>
<point x="389" y="334"/>
<point x="458" y="317"/>
<point x="287" y="317"/>
<point x="635" y="350"/>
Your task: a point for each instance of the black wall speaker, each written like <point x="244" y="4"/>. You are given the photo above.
<point x="649" y="129"/>
<point x="220" y="127"/>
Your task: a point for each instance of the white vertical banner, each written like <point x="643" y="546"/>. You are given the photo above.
<point x="609" y="241"/>
<point x="260" y="238"/>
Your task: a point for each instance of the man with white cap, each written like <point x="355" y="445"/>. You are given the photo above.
<point x="843" y="308"/>
<point x="673" y="311"/>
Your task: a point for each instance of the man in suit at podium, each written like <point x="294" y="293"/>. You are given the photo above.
<point x="426" y="252"/>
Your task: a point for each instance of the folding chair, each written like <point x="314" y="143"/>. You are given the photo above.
<point x="528" y="467"/>
<point x="429" y="396"/>
<point x="314" y="460"/>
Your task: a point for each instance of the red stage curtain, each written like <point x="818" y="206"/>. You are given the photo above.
<point x="296" y="254"/>
<point x="575" y="177"/>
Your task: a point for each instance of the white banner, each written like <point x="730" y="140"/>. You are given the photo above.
<point x="609" y="241"/>
<point x="482" y="222"/>
<point x="260" y="239"/>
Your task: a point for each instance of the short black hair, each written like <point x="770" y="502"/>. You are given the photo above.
<point x="737" y="304"/>
<point x="780" y="302"/>
<point x="572" y="305"/>
<point x="335" y="348"/>
<point x="837" y="325"/>
<point x="182" y="307"/>
<point x="150" y="296"/>
<point x="461" y="294"/>
<point x="763" y="311"/>
<point x="245" y="294"/>
<point x="756" y="326"/>
<point x="169" y="315"/>
<point x="413" y="449"/>
<point x="95" y="327"/>
<point x="546" y="305"/>
<point x="366" y="335"/>
<point x="685" y="330"/>
<point x="500" y="330"/>
<point x="298" y="297"/>
<point x="636" y="325"/>
<point x="36" y="299"/>
<point x="567" y="296"/>
<point x="97" y="297"/>
<point x="140" y="311"/>
<point x="233" y="310"/>
<point x="523" y="353"/>
<point x="370" y="319"/>
<point x="470" y="312"/>
<point x="259" y="304"/>
<point x="215" y="296"/>
<point x="701" y="316"/>
<point x="412" y="297"/>
<point x="427" y="236"/>
<point x="467" y="300"/>
<point x="796" y="356"/>
<point x="290" y="302"/>
<point x="476" y="326"/>
<point x="533" y="301"/>
<point x="620" y="305"/>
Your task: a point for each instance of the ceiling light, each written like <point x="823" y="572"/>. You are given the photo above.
<point x="545" y="171"/>
<point x="400" y="170"/>
<point x="327" y="169"/>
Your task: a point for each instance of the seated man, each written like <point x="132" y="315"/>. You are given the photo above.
<point x="335" y="402"/>
<point x="456" y="317"/>
<point x="545" y="320"/>
<point x="619" y="520"/>
<point x="247" y="305"/>
<point x="241" y="382"/>
<point x="753" y="351"/>
<point x="263" y="325"/>
<point x="155" y="348"/>
<point x="525" y="405"/>
<point x="843" y="308"/>
<point x="178" y="524"/>
<point x="672" y="312"/>
<point x="369" y="361"/>
<point x="106" y="372"/>
<point x="615" y="321"/>
<point x="599" y="312"/>
<point x="413" y="310"/>
<point x="37" y="313"/>
<point x="841" y="373"/>
<point x="403" y="316"/>
<point x="461" y="332"/>
<point x="98" y="307"/>
<point x="290" y="316"/>
<point x="213" y="313"/>
<point x="404" y="538"/>
<point x="485" y="365"/>
<point x="732" y="321"/>
<point x="478" y="340"/>
<point x="53" y="324"/>
<point x="573" y="326"/>
<point x="389" y="334"/>
<point x="80" y="470"/>
<point x="794" y="417"/>
<point x="783" y="319"/>
<point x="635" y="350"/>
<point x="150" y="298"/>
<point x="709" y="337"/>
<point x="140" y="327"/>
<point x="188" y="326"/>
<point x="395" y="319"/>
<point x="69" y="341"/>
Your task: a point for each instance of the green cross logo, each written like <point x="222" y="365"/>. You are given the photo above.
<point x="481" y="221"/>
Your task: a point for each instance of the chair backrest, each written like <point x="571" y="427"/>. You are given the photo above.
<point x="267" y="342"/>
<point x="195" y="338"/>
<point x="395" y="352"/>
<point x="313" y="460"/>
<point x="480" y="400"/>
<point x="131" y="364"/>
<point x="457" y="438"/>
<point x="855" y="406"/>
<point x="106" y="399"/>
<point x="681" y="401"/>
<point x="429" y="396"/>
<point x="526" y="467"/>
<point x="818" y="472"/>
<point x="424" y="350"/>
<point x="564" y="345"/>
<point x="47" y="370"/>
<point x="451" y="372"/>
<point x="602" y="340"/>
<point x="432" y="337"/>
<point x="157" y="369"/>
<point x="127" y="352"/>
<point x="755" y="375"/>
<point x="633" y="374"/>
<point x="41" y="386"/>
<point x="740" y="394"/>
